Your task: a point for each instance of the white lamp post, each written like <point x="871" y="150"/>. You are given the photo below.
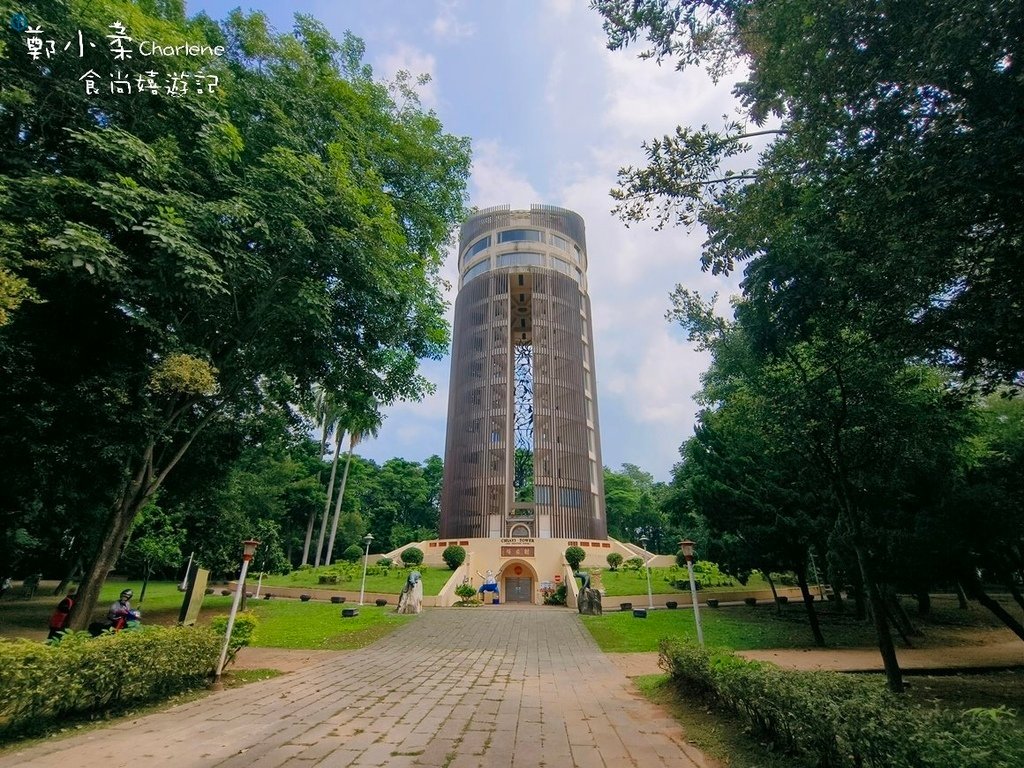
<point x="368" y="538"/>
<point x="647" y="567"/>
<point x="248" y="549"/>
<point x="687" y="546"/>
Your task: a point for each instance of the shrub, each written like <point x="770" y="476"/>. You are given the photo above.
<point x="331" y="578"/>
<point x="614" y="560"/>
<point x="465" y="591"/>
<point x="385" y="563"/>
<point x="750" y="600"/>
<point x="557" y="597"/>
<point x="467" y="595"/>
<point x="412" y="555"/>
<point x="634" y="564"/>
<point x="241" y="633"/>
<point x="453" y="556"/>
<point x="831" y="719"/>
<point x="574" y="556"/>
<point x="681" y="559"/>
<point x="352" y="553"/>
<point x="85" y="675"/>
<point x="380" y="602"/>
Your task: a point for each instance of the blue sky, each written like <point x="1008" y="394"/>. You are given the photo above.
<point x="552" y="115"/>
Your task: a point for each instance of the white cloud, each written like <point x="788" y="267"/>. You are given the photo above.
<point x="449" y="24"/>
<point x="559" y="10"/>
<point x="497" y="178"/>
<point x="649" y="100"/>
<point x="416" y="62"/>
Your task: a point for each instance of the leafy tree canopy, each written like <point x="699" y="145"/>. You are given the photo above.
<point x="203" y="257"/>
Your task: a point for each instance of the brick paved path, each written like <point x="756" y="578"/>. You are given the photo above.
<point x="488" y="687"/>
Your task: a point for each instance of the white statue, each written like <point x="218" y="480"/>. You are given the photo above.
<point x="411" y="599"/>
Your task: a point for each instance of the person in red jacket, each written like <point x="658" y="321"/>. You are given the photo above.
<point x="59" y="619"/>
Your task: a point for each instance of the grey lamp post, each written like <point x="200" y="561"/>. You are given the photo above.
<point x="647" y="567"/>
<point x="368" y="538"/>
<point x="687" y="546"/>
<point x="248" y="550"/>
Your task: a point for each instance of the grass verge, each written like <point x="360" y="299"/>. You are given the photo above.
<point x="740" y="628"/>
<point x="320" y="626"/>
<point x="670" y="581"/>
<point x="350" y="579"/>
<point x="720" y="736"/>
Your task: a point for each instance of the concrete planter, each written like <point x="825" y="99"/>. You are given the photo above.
<point x="338" y="599"/>
<point x="639" y="613"/>
<point x="671" y="605"/>
<point x="348" y="613"/>
<point x="305" y="598"/>
<point x="625" y="606"/>
<point x="380" y="602"/>
<point x="712" y="603"/>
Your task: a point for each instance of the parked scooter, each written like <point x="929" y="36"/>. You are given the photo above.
<point x="129" y="621"/>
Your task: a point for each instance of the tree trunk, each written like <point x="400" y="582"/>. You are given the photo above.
<point x="961" y="596"/>
<point x="330" y="493"/>
<point x="341" y="495"/>
<point x="859" y="600"/>
<point x="973" y="585"/>
<point x="119" y="522"/>
<point x="144" y="482"/>
<point x="893" y="614"/>
<point x="775" y="594"/>
<point x="1007" y="579"/>
<point x="893" y="675"/>
<point x="312" y="512"/>
<point x="924" y="602"/>
<point x="76" y="566"/>
<point x="812" y="615"/>
<point x="145" y="583"/>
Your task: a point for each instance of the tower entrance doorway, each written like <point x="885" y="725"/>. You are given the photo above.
<point x="518" y="589"/>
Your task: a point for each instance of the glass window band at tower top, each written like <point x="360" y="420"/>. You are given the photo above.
<point x="523" y="449"/>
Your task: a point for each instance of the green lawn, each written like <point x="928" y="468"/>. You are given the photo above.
<point x="350" y="577"/>
<point x="623" y="582"/>
<point x="28" y="618"/>
<point x="319" y="625"/>
<point x="282" y="623"/>
<point x="738" y="628"/>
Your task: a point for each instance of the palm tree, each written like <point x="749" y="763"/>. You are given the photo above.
<point x="364" y="421"/>
<point x="333" y="413"/>
<point x="320" y="411"/>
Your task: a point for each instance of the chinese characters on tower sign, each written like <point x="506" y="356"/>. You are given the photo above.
<point x="134" y="69"/>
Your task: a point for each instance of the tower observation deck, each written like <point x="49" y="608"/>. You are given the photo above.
<point x="523" y="448"/>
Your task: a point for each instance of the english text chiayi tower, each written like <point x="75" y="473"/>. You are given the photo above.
<point x="523" y="475"/>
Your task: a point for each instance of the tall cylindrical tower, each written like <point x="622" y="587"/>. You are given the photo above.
<point x="523" y="451"/>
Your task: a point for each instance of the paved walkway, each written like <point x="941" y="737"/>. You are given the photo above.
<point x="468" y="688"/>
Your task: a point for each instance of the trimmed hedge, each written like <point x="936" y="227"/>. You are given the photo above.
<point x="86" y="675"/>
<point x="833" y="720"/>
<point x="412" y="556"/>
<point x="241" y="633"/>
<point x="453" y="556"/>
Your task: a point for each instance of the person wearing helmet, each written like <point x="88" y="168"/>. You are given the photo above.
<point x="121" y="611"/>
